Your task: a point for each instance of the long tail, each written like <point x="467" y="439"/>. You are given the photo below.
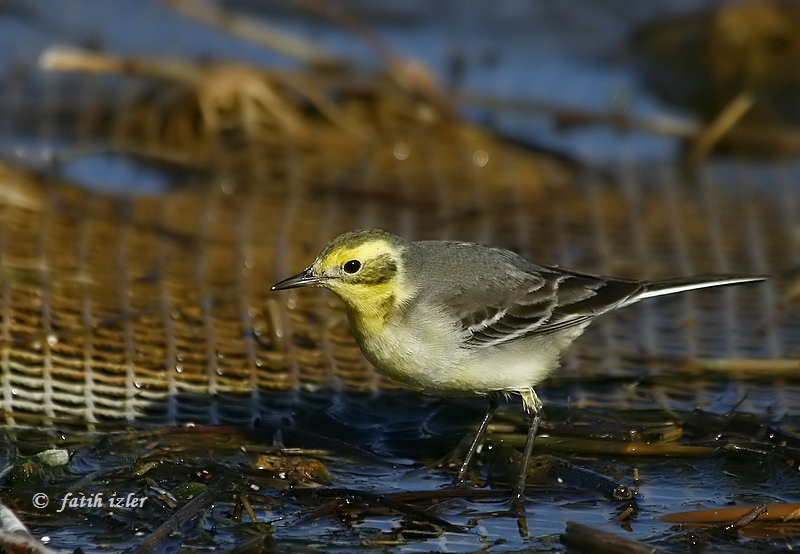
<point x="682" y="284"/>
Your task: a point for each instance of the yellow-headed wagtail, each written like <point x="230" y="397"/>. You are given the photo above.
<point x="457" y="318"/>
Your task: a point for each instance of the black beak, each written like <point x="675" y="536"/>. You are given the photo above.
<point x="307" y="277"/>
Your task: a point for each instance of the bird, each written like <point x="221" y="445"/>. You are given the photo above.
<point x="454" y="318"/>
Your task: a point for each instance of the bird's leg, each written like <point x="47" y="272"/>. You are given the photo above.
<point x="461" y="479"/>
<point x="533" y="406"/>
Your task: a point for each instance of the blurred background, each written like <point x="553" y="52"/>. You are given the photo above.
<point x="163" y="163"/>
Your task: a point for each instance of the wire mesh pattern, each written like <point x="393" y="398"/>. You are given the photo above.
<point x="111" y="304"/>
<point x="157" y="307"/>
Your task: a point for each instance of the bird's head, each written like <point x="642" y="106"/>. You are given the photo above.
<point x="365" y="268"/>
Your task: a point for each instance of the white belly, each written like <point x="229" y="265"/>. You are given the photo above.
<point x="430" y="360"/>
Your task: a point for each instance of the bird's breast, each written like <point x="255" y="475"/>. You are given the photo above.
<point x="421" y="353"/>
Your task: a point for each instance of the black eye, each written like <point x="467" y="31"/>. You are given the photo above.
<point x="352" y="266"/>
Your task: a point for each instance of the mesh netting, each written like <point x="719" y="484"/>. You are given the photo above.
<point x="157" y="306"/>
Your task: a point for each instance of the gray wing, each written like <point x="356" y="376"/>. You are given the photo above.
<point x="543" y="302"/>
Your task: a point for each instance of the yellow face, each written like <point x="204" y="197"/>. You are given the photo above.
<point x="365" y="269"/>
<point x="363" y="274"/>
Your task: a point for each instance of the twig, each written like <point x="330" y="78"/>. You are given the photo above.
<point x="343" y="497"/>
<point x="747" y="518"/>
<point x="189" y="511"/>
<point x="719" y="127"/>
<point x="774" y="512"/>
<point x="582" y="538"/>
<point x="574" y="117"/>
<point x="69" y="59"/>
<point x="584" y="478"/>
<point x="411" y="75"/>
<point x="754" y="367"/>
<point x="257" y="32"/>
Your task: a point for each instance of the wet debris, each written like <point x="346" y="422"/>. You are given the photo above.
<point x="261" y="544"/>
<point x="582" y="538"/>
<point x="294" y="470"/>
<point x="190" y="511"/>
<point x="569" y="445"/>
<point x="739" y="425"/>
<point x="44" y="466"/>
<point x="747" y="518"/>
<point x="598" y="428"/>
<point x="330" y="501"/>
<point x="15" y="537"/>
<point x="581" y="478"/>
<point x="760" y="521"/>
